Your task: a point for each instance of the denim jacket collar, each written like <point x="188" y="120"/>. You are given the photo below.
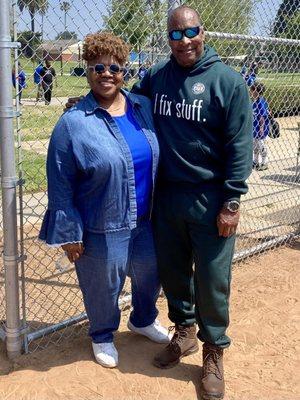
<point x="91" y="104"/>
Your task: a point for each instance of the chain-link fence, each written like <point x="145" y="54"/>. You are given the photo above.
<point x="260" y="39"/>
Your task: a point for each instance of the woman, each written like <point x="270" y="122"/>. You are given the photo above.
<point x="101" y="167"/>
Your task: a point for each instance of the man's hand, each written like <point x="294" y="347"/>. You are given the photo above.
<point x="72" y="101"/>
<point x="227" y="222"/>
<point x="73" y="250"/>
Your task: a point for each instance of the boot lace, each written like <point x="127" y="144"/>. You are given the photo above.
<point x="211" y="363"/>
<point x="178" y="338"/>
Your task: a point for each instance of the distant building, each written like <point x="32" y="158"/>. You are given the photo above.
<point x="72" y="52"/>
<point x="54" y="50"/>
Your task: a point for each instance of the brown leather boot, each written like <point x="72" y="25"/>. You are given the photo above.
<point x="213" y="384"/>
<point x="183" y="343"/>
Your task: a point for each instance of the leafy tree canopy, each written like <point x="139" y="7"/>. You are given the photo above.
<point x="30" y="42"/>
<point x="67" y="35"/>
<point x="33" y="7"/>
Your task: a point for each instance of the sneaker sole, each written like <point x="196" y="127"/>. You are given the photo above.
<point x="212" y="396"/>
<point x="174" y="363"/>
<point x="106" y="365"/>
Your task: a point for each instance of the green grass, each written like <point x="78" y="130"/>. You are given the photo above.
<point x="34" y="167"/>
<point x="64" y="86"/>
<point x="40" y="117"/>
<point x="281" y="76"/>
<point x="37" y="123"/>
<point x="29" y="66"/>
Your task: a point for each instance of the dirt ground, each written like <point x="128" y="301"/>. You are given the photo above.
<point x="261" y="364"/>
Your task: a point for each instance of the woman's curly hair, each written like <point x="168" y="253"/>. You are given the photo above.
<point x="105" y="43"/>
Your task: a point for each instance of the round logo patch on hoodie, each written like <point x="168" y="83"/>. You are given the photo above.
<point x="198" y="88"/>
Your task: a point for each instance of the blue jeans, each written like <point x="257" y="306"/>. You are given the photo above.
<point x="102" y="270"/>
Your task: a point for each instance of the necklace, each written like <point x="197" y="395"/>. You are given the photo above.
<point x="119" y="107"/>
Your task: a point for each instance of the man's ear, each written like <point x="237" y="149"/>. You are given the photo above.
<point x="87" y="77"/>
<point x="203" y="33"/>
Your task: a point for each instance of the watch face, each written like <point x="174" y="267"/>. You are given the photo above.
<point x="233" y="206"/>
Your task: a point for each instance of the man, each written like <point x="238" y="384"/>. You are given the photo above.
<point x="203" y="116"/>
<point x="38" y="80"/>
<point x="48" y="74"/>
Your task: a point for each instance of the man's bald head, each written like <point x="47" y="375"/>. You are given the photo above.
<point x="187" y="49"/>
<point x="185" y="12"/>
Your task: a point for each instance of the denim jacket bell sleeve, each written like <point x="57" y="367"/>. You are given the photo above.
<point x="62" y="222"/>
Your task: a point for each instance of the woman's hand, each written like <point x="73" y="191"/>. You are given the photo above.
<point x="73" y="251"/>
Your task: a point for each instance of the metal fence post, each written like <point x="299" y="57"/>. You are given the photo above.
<point x="9" y="184"/>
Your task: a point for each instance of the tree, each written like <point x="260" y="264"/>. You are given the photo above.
<point x="33" y="7"/>
<point x="130" y="20"/>
<point x="292" y="27"/>
<point x="30" y="43"/>
<point x="232" y="16"/>
<point x="66" y="35"/>
<point x="286" y="11"/>
<point x="65" y="7"/>
<point x="288" y="55"/>
<point x="158" y="22"/>
<point x="229" y="16"/>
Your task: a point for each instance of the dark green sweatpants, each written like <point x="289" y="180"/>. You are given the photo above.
<point x="194" y="261"/>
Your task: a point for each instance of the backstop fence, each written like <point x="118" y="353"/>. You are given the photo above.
<point x="40" y="301"/>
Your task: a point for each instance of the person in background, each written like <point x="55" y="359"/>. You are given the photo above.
<point x="243" y="70"/>
<point x="251" y="77"/>
<point x="48" y="75"/>
<point x="101" y="168"/>
<point x="142" y="71"/>
<point x="20" y="79"/>
<point x="127" y="74"/>
<point x="37" y="77"/>
<point x="260" y="126"/>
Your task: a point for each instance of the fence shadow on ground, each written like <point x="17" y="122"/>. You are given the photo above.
<point x="135" y="357"/>
<point x="285" y="179"/>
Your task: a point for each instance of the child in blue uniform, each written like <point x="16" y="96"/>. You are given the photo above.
<point x="21" y="80"/>
<point x="260" y="126"/>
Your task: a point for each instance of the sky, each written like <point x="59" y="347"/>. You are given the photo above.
<point x="87" y="16"/>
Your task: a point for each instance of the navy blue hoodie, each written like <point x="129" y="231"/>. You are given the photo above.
<point x="203" y="117"/>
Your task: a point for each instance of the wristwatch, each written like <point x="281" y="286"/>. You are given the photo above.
<point x="232" y="205"/>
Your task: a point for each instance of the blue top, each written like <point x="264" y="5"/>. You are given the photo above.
<point x="142" y="72"/>
<point x="37" y="74"/>
<point x="141" y="156"/>
<point x="250" y="79"/>
<point x="91" y="183"/>
<point x="21" y="78"/>
<point x="260" y="109"/>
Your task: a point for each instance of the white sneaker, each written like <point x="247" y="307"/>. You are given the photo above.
<point x="155" y="332"/>
<point x="106" y="354"/>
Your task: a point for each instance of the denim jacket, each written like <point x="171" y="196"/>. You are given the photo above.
<point x="90" y="172"/>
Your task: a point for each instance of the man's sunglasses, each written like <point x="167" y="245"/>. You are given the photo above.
<point x="177" y="34"/>
<point x="100" y="68"/>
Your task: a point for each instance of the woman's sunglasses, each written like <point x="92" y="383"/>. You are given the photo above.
<point x="100" y="68"/>
<point x="190" y="33"/>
